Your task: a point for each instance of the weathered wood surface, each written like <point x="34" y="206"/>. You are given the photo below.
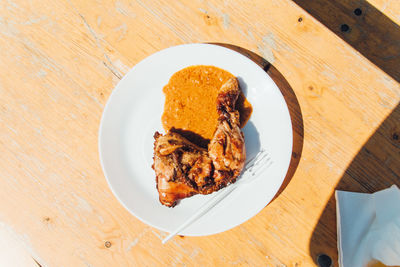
<point x="60" y="60"/>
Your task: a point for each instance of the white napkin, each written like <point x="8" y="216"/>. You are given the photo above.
<point x="368" y="227"/>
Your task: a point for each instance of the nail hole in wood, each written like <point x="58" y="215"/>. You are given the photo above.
<point x="266" y="67"/>
<point x="357" y="11"/>
<point x="300" y="19"/>
<point x="395" y="136"/>
<point x="107" y="244"/>
<point x="344" y="28"/>
<point x="324" y="260"/>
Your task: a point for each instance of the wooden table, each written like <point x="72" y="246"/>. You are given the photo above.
<point x="60" y="60"/>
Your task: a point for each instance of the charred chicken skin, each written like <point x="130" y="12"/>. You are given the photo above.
<point x="184" y="169"/>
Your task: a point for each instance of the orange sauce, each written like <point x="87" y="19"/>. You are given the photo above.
<point x="190" y="102"/>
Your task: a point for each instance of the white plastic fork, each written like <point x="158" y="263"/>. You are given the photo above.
<point x="253" y="169"/>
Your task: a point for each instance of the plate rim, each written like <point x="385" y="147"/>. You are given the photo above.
<point x="113" y="93"/>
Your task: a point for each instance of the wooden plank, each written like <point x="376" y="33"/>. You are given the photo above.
<point x="59" y="63"/>
<point x="362" y="26"/>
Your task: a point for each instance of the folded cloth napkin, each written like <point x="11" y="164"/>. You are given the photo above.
<point x="368" y="227"/>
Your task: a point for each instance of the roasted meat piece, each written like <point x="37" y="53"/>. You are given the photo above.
<point x="184" y="169"/>
<point x="226" y="148"/>
<point x="181" y="167"/>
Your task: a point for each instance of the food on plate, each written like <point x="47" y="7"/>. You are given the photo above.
<point x="184" y="168"/>
<point x="190" y="97"/>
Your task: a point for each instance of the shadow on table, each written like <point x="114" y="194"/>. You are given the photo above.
<point x="293" y="106"/>
<point x="363" y="27"/>
<point x="375" y="167"/>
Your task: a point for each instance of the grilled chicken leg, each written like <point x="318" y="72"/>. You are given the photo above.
<point x="226" y="148"/>
<point x="184" y="169"/>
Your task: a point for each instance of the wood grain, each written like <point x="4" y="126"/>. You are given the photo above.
<point x="60" y="61"/>
<point x="363" y="27"/>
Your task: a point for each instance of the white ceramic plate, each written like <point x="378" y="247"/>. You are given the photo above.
<point x="133" y="114"/>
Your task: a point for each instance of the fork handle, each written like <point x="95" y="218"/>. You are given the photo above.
<point x="202" y="210"/>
